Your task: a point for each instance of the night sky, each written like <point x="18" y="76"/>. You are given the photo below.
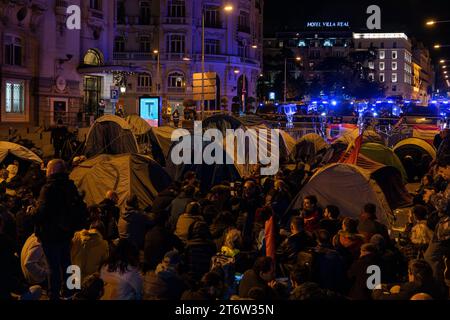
<point x="407" y="16"/>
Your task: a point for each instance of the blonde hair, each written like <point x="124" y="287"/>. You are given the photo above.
<point x="233" y="239"/>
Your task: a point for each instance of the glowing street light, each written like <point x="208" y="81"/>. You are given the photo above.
<point x="431" y="23"/>
<point x="228" y="8"/>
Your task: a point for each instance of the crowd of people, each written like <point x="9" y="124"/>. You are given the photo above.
<point x="238" y="241"/>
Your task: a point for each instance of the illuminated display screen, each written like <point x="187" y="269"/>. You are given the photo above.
<point x="149" y="110"/>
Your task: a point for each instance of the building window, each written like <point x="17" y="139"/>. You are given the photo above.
<point x="394" y="88"/>
<point x="121" y="12"/>
<point x="382" y="45"/>
<point x="394" y="66"/>
<point x="360" y="45"/>
<point x="394" y="55"/>
<point x="144" y="81"/>
<point x="176" y="9"/>
<point x="243" y="22"/>
<point x="382" y="66"/>
<point x="371" y="65"/>
<point x="212" y="17"/>
<point x="14" y="97"/>
<point x="95" y="4"/>
<point x="145" y="13"/>
<point x="145" y="44"/>
<point x="242" y="49"/>
<point x="371" y="76"/>
<point x="394" y="78"/>
<point x="382" y="54"/>
<point x="176" y="43"/>
<point x="394" y="45"/>
<point x="176" y="80"/>
<point x="381" y="77"/>
<point x="212" y="46"/>
<point x="13" y="51"/>
<point x="119" y="44"/>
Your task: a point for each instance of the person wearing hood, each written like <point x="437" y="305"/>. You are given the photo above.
<point x="192" y="214"/>
<point x="348" y="242"/>
<point x="134" y="223"/>
<point x="89" y="250"/>
<point x="33" y="262"/>
<point x="165" y="283"/>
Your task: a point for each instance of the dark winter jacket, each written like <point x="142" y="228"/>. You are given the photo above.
<point x="133" y="225"/>
<point x="61" y="211"/>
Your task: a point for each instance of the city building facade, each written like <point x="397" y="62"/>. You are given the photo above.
<point x="51" y="72"/>
<point x="393" y="66"/>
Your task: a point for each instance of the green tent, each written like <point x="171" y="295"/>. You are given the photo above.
<point x="384" y="155"/>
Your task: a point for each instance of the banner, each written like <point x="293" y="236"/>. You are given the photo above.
<point x="425" y="132"/>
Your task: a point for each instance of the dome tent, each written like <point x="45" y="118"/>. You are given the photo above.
<point x="412" y="152"/>
<point x="110" y="135"/>
<point x="10" y="152"/>
<point x="308" y="147"/>
<point x="350" y="187"/>
<point x="222" y="122"/>
<point x="383" y="155"/>
<point x="127" y="174"/>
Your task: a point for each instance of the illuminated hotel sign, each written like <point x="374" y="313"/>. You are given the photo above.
<point x="328" y="24"/>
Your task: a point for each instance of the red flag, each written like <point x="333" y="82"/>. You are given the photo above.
<point x="270" y="238"/>
<point x="353" y="157"/>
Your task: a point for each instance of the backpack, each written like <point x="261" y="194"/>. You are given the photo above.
<point x="226" y="264"/>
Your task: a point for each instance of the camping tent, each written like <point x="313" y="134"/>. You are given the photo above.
<point x="138" y="125"/>
<point x="10" y="150"/>
<point x="414" y="147"/>
<point x="127" y="174"/>
<point x="350" y="187"/>
<point x="379" y="153"/>
<point x="415" y="155"/>
<point x="110" y="135"/>
<point x="222" y="122"/>
<point x="209" y="175"/>
<point x="308" y="147"/>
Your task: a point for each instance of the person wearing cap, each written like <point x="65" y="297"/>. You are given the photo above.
<point x="193" y="213"/>
<point x="165" y="283"/>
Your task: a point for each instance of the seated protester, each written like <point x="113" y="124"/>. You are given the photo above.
<point x="158" y="241"/>
<point x="178" y="205"/>
<point x="299" y="240"/>
<point x="347" y="241"/>
<point x="311" y="214"/>
<point x="4" y="174"/>
<point x="420" y="280"/>
<point x="262" y="275"/>
<point x="392" y="261"/>
<point x="33" y="262"/>
<point x="220" y="197"/>
<point x="165" y="283"/>
<point x="134" y="223"/>
<point x="193" y="213"/>
<point x="110" y="214"/>
<point x="221" y="224"/>
<point x="330" y="265"/>
<point x="439" y="246"/>
<point x="120" y="273"/>
<point x="92" y="288"/>
<point x="199" y="250"/>
<point x="14" y="180"/>
<point x="89" y="250"/>
<point x="331" y="221"/>
<point x="358" y="275"/>
<point x="426" y="183"/>
<point x="211" y="288"/>
<point x="368" y="224"/>
<point x="231" y="248"/>
<point x="10" y="273"/>
<point x="162" y="202"/>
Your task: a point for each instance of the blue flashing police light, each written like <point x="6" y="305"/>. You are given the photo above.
<point x="375" y="114"/>
<point x="323" y="114"/>
<point x="334" y="103"/>
<point x="434" y="102"/>
<point x="325" y="102"/>
<point x="378" y="102"/>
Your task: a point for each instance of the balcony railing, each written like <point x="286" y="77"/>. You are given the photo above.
<point x="175" y="20"/>
<point x="134" y="20"/>
<point x="133" y="56"/>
